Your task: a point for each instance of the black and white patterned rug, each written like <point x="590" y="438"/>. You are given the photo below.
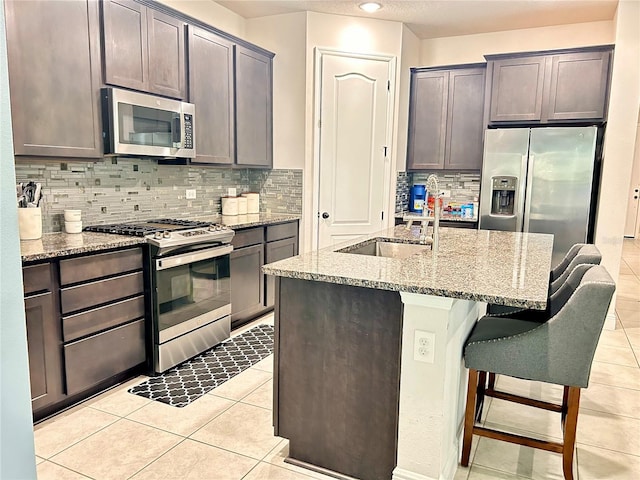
<point x="190" y="380"/>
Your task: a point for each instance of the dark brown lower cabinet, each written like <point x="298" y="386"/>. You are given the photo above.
<point x="247" y="288"/>
<point x="43" y="343"/>
<point x="274" y="251"/>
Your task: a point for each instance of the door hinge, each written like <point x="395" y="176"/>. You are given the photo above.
<point x="319" y="123"/>
<point x="388" y="85"/>
<point x="385" y="151"/>
<point x="382" y="215"/>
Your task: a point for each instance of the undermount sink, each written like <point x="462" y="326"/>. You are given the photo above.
<point x="387" y="249"/>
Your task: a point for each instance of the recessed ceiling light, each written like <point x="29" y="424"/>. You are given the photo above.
<point x="370" y="7"/>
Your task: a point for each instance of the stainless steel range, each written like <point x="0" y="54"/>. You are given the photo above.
<point x="190" y="286"/>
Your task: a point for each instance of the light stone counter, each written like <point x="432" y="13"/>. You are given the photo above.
<point x="508" y="268"/>
<point x="442" y="295"/>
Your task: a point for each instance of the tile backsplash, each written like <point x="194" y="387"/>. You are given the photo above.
<point x="128" y="189"/>
<point x="464" y="186"/>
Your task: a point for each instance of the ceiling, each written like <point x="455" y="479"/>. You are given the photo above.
<point x="445" y="18"/>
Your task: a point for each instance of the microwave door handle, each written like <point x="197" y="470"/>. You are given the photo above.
<point x="176" y="130"/>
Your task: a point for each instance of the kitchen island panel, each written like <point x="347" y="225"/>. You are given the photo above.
<point x="338" y="352"/>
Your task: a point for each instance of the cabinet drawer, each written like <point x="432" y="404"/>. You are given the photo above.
<point x="94" y="359"/>
<point x="109" y="316"/>
<point x="249" y="236"/>
<point x="284" y="230"/>
<point x="89" y="267"/>
<point x="36" y="278"/>
<point x="97" y="293"/>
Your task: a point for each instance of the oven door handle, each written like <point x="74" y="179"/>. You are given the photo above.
<point x="186" y="258"/>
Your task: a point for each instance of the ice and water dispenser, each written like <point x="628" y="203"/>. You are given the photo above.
<point x="503" y="197"/>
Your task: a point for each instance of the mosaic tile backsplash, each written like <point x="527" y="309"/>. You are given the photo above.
<point x="129" y="189"/>
<point x="464" y="186"/>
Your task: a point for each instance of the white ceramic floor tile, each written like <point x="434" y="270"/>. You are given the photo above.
<point x="241" y="385"/>
<point x="518" y="460"/>
<point x="611" y="432"/>
<point x="267" y="471"/>
<point x="266" y="364"/>
<point x="39" y="460"/>
<point x="536" y="390"/>
<point x="192" y="460"/>
<point x="483" y="473"/>
<point x="614" y="338"/>
<point x="118" y="451"/>
<point x="616" y="355"/>
<point x="597" y="464"/>
<point x="281" y="451"/>
<point x="614" y="400"/>
<point x="120" y="402"/>
<point x="261" y="396"/>
<point x="510" y="416"/>
<point x="181" y="421"/>
<point x="615" y="375"/>
<point x="50" y="471"/>
<point x="242" y="429"/>
<point x="634" y="339"/>
<point x="65" y="430"/>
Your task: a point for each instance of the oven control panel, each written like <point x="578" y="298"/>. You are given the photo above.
<point x="213" y="233"/>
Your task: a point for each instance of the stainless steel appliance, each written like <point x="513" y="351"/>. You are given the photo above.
<point x="541" y="180"/>
<point x="146" y="125"/>
<point x="190" y="286"/>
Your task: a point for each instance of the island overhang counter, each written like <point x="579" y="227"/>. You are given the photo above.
<point x="368" y="375"/>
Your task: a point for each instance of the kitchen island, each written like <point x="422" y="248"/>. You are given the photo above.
<point x="368" y="380"/>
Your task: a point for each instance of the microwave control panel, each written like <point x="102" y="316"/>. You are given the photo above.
<point x="188" y="131"/>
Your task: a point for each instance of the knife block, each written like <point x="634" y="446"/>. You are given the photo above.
<point x="30" y="223"/>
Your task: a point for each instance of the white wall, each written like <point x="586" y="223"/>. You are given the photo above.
<point x="17" y="453"/>
<point x="624" y="102"/>
<point x="211" y="13"/>
<point x="472" y="48"/>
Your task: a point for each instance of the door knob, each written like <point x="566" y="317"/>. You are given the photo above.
<point x="325" y="215"/>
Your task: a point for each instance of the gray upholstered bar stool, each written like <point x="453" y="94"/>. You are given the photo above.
<point x="559" y="351"/>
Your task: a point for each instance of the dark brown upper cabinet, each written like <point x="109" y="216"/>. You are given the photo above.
<point x="547" y="87"/>
<point x="144" y="49"/>
<point x="446" y="118"/>
<point x="211" y="89"/>
<point x="53" y="50"/>
<point x="254" y="110"/>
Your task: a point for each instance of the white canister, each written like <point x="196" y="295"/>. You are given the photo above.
<point x="30" y="223"/>
<point x="242" y="205"/>
<point x="73" y="227"/>
<point x="72" y="215"/>
<point x="253" y="202"/>
<point x="229" y="205"/>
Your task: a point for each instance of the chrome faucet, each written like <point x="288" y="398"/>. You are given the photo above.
<point x="432" y="186"/>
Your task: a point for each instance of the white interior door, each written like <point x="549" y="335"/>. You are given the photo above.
<point x="632" y="223"/>
<point x="353" y="144"/>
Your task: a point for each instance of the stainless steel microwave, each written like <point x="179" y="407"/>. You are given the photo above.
<point x="139" y="124"/>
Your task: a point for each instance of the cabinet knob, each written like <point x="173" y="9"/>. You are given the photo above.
<point x="325" y="215"/>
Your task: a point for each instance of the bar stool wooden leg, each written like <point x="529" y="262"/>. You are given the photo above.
<point x="469" y="417"/>
<point x="570" y="424"/>
<point x="492" y="381"/>
<point x="482" y="381"/>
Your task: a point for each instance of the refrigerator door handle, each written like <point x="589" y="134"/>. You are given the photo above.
<point x="527" y="199"/>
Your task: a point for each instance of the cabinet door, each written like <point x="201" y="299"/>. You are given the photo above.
<point x="275" y="251"/>
<point x="43" y="343"/>
<point x="247" y="286"/>
<point x="516" y="89"/>
<point x="126" y="57"/>
<point x="166" y="55"/>
<point x="578" y="86"/>
<point x="54" y="76"/>
<point x="465" y="126"/>
<point x="253" y="108"/>
<point x="427" y="120"/>
<point x="211" y="89"/>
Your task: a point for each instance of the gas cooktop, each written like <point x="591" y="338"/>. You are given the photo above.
<point x="167" y="232"/>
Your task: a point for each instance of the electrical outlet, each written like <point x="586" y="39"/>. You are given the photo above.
<point x="191" y="193"/>
<point x="424" y="346"/>
<point x="231" y="191"/>
<point x="446" y="193"/>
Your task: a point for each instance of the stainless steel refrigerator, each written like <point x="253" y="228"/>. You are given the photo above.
<point x="540" y="180"/>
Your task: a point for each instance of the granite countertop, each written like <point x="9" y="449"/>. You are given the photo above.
<point x="509" y="268"/>
<point x="53" y="245"/>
